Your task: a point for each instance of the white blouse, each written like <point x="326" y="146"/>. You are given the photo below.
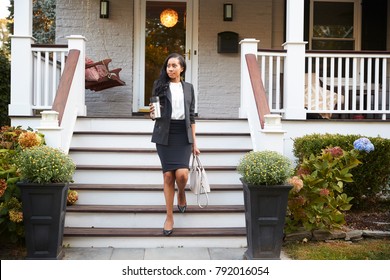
<point x="177" y="101"/>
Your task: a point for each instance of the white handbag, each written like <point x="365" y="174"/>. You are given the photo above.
<point x="199" y="184"/>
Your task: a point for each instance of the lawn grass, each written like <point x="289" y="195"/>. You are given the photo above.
<point x="367" y="249"/>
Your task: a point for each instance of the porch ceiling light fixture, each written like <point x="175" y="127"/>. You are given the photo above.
<point x="104" y="9"/>
<point x="169" y="17"/>
<point x="228" y="12"/>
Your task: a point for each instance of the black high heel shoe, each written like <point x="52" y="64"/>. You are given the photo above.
<point x="182" y="209"/>
<point x="167" y="232"/>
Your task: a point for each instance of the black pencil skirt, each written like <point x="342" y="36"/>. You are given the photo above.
<point x="177" y="153"/>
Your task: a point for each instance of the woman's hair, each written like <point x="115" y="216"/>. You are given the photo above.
<point x="163" y="80"/>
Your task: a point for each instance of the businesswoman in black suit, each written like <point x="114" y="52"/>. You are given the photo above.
<point x="174" y="132"/>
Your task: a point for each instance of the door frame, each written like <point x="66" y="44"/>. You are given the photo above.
<point x="139" y="50"/>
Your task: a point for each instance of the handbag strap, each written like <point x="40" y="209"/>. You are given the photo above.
<point x="196" y="163"/>
<point x="198" y="198"/>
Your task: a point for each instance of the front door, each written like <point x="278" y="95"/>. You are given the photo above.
<point x="161" y="28"/>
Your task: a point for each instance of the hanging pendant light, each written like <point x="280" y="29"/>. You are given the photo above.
<point x="169" y="17"/>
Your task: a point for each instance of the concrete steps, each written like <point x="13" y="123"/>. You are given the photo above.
<point x="119" y="181"/>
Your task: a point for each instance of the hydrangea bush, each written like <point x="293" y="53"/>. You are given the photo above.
<point x="317" y="200"/>
<point x="371" y="186"/>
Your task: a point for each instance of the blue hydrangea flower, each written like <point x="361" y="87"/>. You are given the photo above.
<point x="363" y="144"/>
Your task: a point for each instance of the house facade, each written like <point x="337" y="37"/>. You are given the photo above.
<point x="214" y="74"/>
<point x="322" y="59"/>
<point x="124" y="36"/>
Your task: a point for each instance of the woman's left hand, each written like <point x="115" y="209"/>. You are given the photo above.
<point x="195" y="150"/>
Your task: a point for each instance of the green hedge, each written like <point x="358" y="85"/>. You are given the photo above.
<point x="371" y="179"/>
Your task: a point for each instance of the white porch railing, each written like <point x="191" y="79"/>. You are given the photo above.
<point x="271" y="67"/>
<point x="340" y="82"/>
<point x="358" y="81"/>
<point x="48" y="65"/>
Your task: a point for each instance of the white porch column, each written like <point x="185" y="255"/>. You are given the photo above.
<point x="21" y="60"/>
<point x="294" y="66"/>
<point x="78" y="86"/>
<point x="247" y="46"/>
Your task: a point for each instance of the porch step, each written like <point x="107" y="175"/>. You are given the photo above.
<point x="142" y="174"/>
<point x="128" y="194"/>
<point x="152" y="209"/>
<point x="142" y="232"/>
<point x="119" y="181"/>
<point x="153" y="216"/>
<point x="205" y="140"/>
<point x="234" y="237"/>
<point x="148" y="156"/>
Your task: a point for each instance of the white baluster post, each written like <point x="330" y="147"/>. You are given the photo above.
<point x="247" y="46"/>
<point x="22" y="60"/>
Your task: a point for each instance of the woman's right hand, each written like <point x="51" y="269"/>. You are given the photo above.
<point x="151" y="111"/>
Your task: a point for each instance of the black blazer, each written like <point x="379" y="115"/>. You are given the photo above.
<point x="161" y="127"/>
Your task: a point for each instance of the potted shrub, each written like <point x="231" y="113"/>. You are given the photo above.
<point x="45" y="173"/>
<point x="264" y="175"/>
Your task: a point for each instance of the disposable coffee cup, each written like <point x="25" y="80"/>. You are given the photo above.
<point x="155" y="100"/>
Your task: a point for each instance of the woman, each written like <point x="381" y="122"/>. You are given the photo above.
<point x="174" y="132"/>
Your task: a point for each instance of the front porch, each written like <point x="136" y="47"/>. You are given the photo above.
<point x="352" y="83"/>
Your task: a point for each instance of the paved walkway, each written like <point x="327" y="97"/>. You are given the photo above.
<point x="156" y="254"/>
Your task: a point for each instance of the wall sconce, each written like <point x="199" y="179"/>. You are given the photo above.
<point x="104" y="9"/>
<point x="228" y="12"/>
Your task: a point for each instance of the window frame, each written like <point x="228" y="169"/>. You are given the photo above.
<point x="356" y="38"/>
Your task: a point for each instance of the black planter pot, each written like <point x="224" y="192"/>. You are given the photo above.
<point x="265" y="213"/>
<point x="44" y="207"/>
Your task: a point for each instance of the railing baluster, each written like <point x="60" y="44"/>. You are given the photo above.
<point x="262" y="69"/>
<point x="324" y="81"/>
<point x="62" y="62"/>
<point x="339" y="84"/>
<point x="38" y="93"/>
<point x="277" y="73"/>
<point x="46" y="81"/>
<point x="368" y="91"/>
<point x="54" y="78"/>
<point x="376" y="86"/>
<point x="309" y="82"/>
<point x="361" y="84"/>
<point x="354" y="82"/>
<point x="270" y="80"/>
<point x="332" y="83"/>
<point x="316" y="83"/>
<point x="384" y="89"/>
<point x="347" y="73"/>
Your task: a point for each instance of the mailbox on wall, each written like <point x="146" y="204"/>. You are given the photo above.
<point x="227" y="42"/>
